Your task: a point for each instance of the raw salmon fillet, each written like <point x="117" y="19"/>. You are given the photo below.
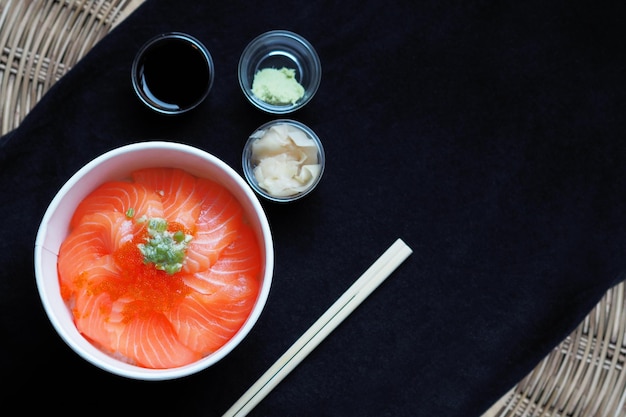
<point x="131" y="309"/>
<point x="222" y="298"/>
<point x="177" y="190"/>
<point x="119" y="196"/>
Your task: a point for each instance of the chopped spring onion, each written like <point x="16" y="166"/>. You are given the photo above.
<point x="166" y="250"/>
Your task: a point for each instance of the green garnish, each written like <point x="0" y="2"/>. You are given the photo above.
<point x="166" y="250"/>
<point x="179" y="236"/>
<point x="130" y="213"/>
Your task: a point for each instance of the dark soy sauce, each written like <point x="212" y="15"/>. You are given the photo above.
<point x="174" y="74"/>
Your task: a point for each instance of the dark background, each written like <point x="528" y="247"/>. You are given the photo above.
<point x="488" y="135"/>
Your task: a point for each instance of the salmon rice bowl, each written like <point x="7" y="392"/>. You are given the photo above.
<point x="162" y="266"/>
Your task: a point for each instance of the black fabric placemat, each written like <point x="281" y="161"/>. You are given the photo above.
<point x="488" y="136"/>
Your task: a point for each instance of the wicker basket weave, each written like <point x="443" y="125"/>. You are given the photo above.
<point x="583" y="376"/>
<point x="40" y="40"/>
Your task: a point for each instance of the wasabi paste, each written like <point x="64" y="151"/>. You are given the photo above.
<point x="277" y="86"/>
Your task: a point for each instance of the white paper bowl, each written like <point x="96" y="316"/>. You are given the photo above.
<point x="117" y="164"/>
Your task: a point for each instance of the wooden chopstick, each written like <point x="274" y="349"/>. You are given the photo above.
<point x="358" y="291"/>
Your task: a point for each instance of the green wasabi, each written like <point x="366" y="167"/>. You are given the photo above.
<point x="277" y="86"/>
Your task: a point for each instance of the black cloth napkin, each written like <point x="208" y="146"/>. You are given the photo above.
<point x="488" y="135"/>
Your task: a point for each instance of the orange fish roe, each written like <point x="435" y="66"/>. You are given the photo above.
<point x="152" y="289"/>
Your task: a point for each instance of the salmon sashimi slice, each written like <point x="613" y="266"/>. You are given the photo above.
<point x="93" y="303"/>
<point x="219" y="219"/>
<point x="232" y="305"/>
<point x="119" y="196"/>
<point x="90" y="315"/>
<point x="205" y="323"/>
<point x="98" y="236"/>
<point x="198" y="327"/>
<point x="223" y="298"/>
<point x="176" y="190"/>
<point x="152" y="342"/>
<point x="241" y="258"/>
<point x="116" y="324"/>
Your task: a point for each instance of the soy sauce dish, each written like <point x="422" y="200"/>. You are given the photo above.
<point x="172" y="73"/>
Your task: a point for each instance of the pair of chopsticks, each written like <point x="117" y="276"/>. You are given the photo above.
<point x="358" y="291"/>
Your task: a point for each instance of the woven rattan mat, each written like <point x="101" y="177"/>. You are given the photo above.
<point x="41" y="40"/>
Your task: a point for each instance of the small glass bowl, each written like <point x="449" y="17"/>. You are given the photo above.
<point x="280" y="49"/>
<point x="251" y="161"/>
<point x="172" y="73"/>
